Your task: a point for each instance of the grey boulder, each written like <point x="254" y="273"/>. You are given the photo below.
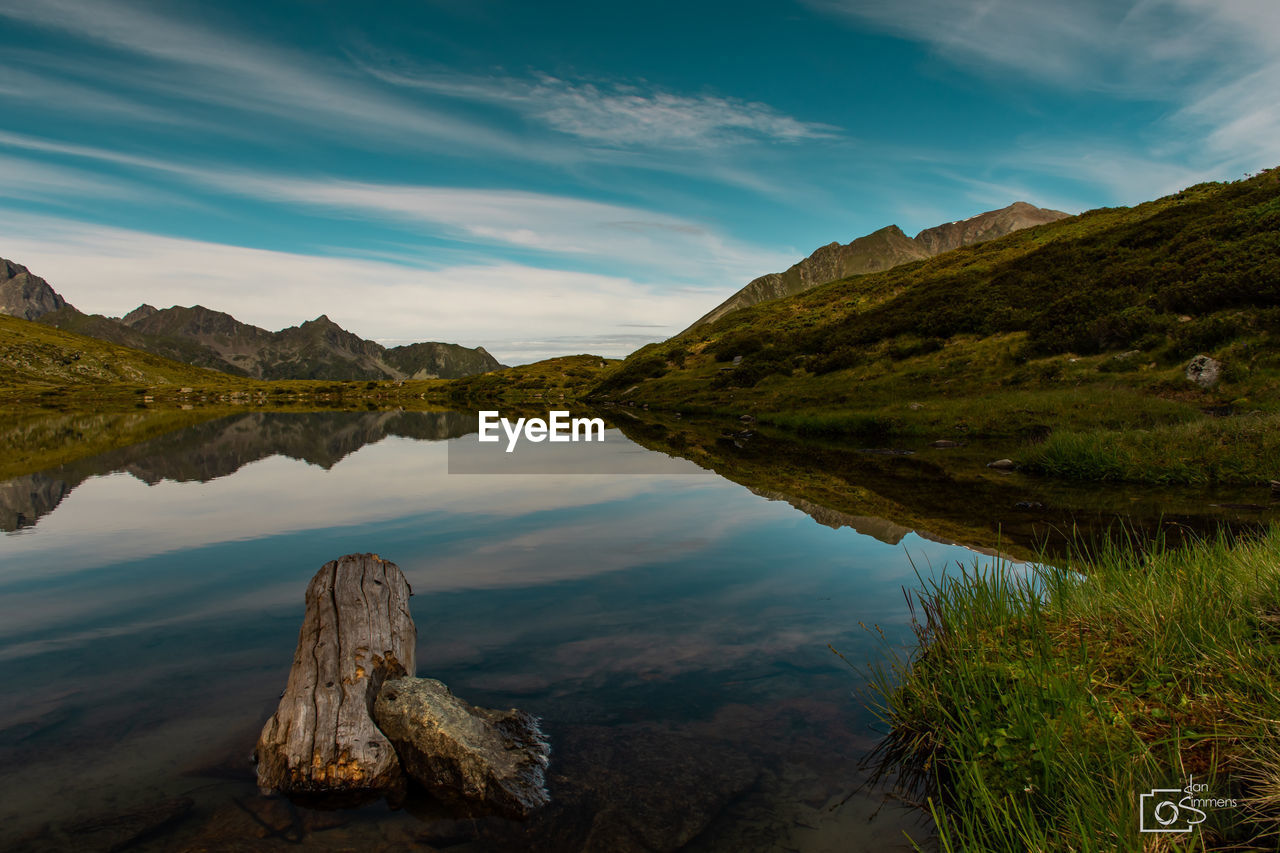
<point x="1204" y="371"/>
<point x="479" y="758"/>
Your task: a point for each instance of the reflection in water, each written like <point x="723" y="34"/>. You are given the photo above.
<point x="671" y="630"/>
<point x="221" y="447"/>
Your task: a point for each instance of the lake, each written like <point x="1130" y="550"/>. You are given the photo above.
<point x="672" y="628"/>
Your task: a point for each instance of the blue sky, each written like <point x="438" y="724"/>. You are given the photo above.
<point x="544" y="178"/>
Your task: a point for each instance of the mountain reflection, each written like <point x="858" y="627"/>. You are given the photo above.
<point x="222" y="447"/>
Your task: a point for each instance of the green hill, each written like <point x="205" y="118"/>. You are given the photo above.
<point x="36" y="354"/>
<point x="1083" y="324"/>
<point x="881" y="250"/>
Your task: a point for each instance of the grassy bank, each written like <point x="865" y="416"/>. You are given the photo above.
<point x="1041" y="702"/>
<point x="1243" y="449"/>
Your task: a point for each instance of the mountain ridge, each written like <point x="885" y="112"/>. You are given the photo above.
<point x="878" y="251"/>
<point x="205" y="337"/>
<point x="1113" y="294"/>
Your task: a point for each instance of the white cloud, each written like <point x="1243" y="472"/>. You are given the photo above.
<point x="204" y="65"/>
<point x="108" y="270"/>
<point x="24" y="179"/>
<point x="1216" y="62"/>
<point x="621" y="115"/>
<point x="619" y="236"/>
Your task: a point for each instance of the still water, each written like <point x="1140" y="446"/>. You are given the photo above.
<point x="671" y="628"/>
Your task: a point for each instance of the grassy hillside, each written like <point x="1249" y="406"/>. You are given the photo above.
<point x="36" y="354"/>
<point x="45" y="368"/>
<point x="550" y="380"/>
<point x="1080" y="325"/>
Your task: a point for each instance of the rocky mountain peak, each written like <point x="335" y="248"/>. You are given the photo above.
<point x="985" y="226"/>
<point x="139" y="314"/>
<point x="881" y="250"/>
<point x="25" y="295"/>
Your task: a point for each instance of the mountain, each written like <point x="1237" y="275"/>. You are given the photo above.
<point x="1115" y="296"/>
<point x="879" y="251"/>
<point x="34" y="353"/>
<point x="985" y="226"/>
<point x="25" y="295"/>
<point x="200" y="336"/>
<point x="447" y="361"/>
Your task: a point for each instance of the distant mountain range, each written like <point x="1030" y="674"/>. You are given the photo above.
<point x="316" y="349"/>
<point x="879" y="251"/>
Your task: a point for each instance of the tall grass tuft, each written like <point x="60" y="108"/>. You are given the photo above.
<point x="1042" y="700"/>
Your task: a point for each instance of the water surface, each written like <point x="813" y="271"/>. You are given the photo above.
<point x="671" y="629"/>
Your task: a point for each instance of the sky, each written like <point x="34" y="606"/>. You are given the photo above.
<point x="551" y="178"/>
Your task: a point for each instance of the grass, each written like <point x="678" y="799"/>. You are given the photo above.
<point x="34" y="354"/>
<point x="1042" y="700"/>
<point x="1244" y="449"/>
<point x="547" y="381"/>
<point x="1080" y="327"/>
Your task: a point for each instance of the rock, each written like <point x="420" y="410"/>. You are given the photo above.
<point x="25" y="295"/>
<point x="1028" y="505"/>
<point x="1204" y="371"/>
<point x="915" y="407"/>
<point x="356" y="633"/>
<point x="1003" y="465"/>
<point x="1275" y="487"/>
<point x="943" y="442"/>
<point x="747" y="419"/>
<point x="476" y="757"/>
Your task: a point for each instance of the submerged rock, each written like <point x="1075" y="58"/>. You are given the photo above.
<point x="1003" y="465"/>
<point x="494" y="760"/>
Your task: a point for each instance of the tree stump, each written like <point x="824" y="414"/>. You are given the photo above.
<point x="356" y="633"/>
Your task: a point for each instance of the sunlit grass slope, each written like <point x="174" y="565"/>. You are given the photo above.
<point x="36" y="354"/>
<point x="1083" y="325"/>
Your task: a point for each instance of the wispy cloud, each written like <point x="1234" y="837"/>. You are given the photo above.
<point x="620" y="114"/>
<point x="21" y="178"/>
<point x="1211" y="60"/>
<point x="1119" y="46"/>
<point x="30" y="88"/>
<point x="582" y="229"/>
<point x="200" y="64"/>
<point x="506" y="307"/>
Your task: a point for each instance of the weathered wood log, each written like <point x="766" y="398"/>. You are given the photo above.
<point x="356" y="633"/>
<point x="1275" y="487"/>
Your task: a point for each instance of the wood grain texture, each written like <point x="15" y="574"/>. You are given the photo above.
<point x="356" y="633"/>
